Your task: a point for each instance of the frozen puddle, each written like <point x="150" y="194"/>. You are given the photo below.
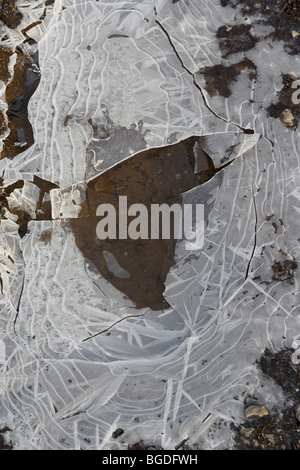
<point x="104" y="343"/>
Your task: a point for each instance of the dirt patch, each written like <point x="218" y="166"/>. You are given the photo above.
<point x="279" y="11"/>
<point x="46" y="236"/>
<point x="284" y="270"/>
<point x="282" y="15"/>
<point x="9" y="14"/>
<point x="287" y="109"/>
<point x="3" y="125"/>
<point x="279" y="367"/>
<point x="235" y="38"/>
<point x="18" y="92"/>
<point x="279" y="429"/>
<point x="219" y="77"/>
<point x="5" y="54"/>
<point x="15" y="126"/>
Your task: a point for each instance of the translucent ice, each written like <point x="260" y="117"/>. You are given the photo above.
<point x="81" y="360"/>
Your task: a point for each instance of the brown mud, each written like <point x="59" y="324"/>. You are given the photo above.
<point x="9" y="14"/>
<point x="236" y="38"/>
<point x="20" y="86"/>
<point x="5" y="54"/>
<point x="219" y="77"/>
<point x="282" y="15"/>
<point x="284" y="270"/>
<point x="18" y="92"/>
<point x="153" y="176"/>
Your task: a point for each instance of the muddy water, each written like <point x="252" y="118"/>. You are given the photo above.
<point x="138" y="268"/>
<point x="18" y="92"/>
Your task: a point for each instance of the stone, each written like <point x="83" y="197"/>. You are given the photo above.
<point x="256" y="411"/>
<point x="287" y="117"/>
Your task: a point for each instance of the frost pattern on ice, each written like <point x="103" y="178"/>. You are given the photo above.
<point x="81" y="361"/>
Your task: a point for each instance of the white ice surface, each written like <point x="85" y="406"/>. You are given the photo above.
<point x="157" y="375"/>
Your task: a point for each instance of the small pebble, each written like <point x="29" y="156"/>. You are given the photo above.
<point x="256" y="411"/>
<point x="271" y="438"/>
<point x="246" y="432"/>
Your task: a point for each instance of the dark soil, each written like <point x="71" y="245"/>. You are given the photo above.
<point x="285" y="102"/>
<point x="282" y="15"/>
<point x="9" y="14"/>
<point x="18" y="93"/>
<point x="3" y="125"/>
<point x="219" y="77"/>
<point x="280" y="429"/>
<point x="284" y="18"/>
<point x="5" y="54"/>
<point x="23" y="84"/>
<point x="236" y="38"/>
<point x="284" y="270"/>
<point x="283" y="371"/>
